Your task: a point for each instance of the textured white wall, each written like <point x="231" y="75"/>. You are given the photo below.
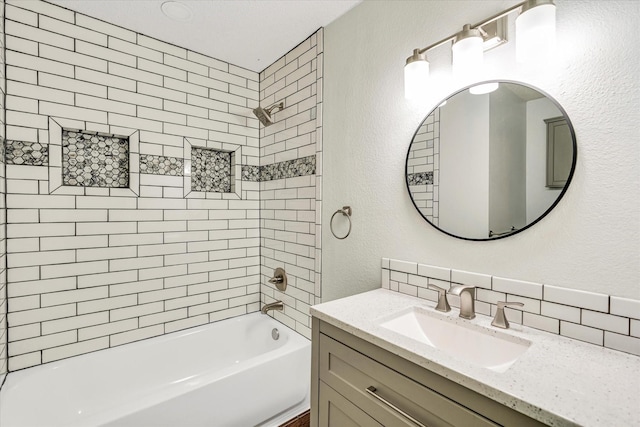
<point x="591" y="241"/>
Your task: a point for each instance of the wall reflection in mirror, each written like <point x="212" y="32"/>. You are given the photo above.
<point x="486" y="166"/>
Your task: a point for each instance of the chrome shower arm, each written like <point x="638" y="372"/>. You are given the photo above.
<point x="279" y="105"/>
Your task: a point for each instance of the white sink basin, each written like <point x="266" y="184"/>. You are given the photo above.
<point x="459" y="338"/>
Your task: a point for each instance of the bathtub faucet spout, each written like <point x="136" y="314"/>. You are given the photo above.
<point x="278" y="305"/>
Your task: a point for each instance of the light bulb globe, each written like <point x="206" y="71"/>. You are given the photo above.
<point x="536" y="32"/>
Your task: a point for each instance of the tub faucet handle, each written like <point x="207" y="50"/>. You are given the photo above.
<point x="500" y="320"/>
<point x="443" y="303"/>
<point x="279" y="279"/>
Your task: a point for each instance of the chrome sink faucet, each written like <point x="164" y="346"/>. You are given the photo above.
<point x="277" y="305"/>
<point x="467" y="303"/>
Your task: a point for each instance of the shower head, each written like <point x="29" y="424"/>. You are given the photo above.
<point x="264" y="114"/>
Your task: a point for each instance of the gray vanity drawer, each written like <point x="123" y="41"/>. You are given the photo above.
<point x="336" y="411"/>
<point x="350" y="365"/>
<point x="350" y="373"/>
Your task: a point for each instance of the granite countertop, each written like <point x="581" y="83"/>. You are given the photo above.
<point x="558" y="381"/>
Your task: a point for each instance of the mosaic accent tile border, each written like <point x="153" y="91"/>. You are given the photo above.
<point x="251" y="173"/>
<point x="26" y="153"/>
<point x="423" y="178"/>
<point x="161" y="165"/>
<point x="210" y="170"/>
<point x="91" y="160"/>
<point x="289" y="169"/>
<point x="35" y="154"/>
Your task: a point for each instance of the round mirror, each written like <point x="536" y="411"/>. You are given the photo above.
<point x="491" y="160"/>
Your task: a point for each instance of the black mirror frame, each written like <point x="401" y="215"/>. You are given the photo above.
<point x="553" y="205"/>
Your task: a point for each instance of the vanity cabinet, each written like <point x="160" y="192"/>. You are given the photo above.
<point x="356" y="383"/>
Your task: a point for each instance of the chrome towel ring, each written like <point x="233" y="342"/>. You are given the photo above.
<point x="346" y="211"/>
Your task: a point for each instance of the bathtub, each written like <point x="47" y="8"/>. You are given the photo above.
<point x="230" y="373"/>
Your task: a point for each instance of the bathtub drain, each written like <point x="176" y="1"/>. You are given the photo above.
<point x="275" y="334"/>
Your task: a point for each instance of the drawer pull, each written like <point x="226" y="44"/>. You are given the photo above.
<point x="372" y="391"/>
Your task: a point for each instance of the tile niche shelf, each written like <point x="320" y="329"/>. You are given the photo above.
<point x="203" y="180"/>
<point x="118" y="176"/>
<point x="92" y="160"/>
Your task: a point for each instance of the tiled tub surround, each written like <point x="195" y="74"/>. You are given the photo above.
<point x="423" y="165"/>
<point x="91" y="268"/>
<point x="558" y="381"/>
<point x="598" y="319"/>
<point x="291" y="175"/>
<point x="3" y="216"/>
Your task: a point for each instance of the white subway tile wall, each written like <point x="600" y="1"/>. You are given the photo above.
<point x="423" y="164"/>
<point x="92" y="268"/>
<point x="3" y="210"/>
<point x="599" y="319"/>
<point x="290" y="187"/>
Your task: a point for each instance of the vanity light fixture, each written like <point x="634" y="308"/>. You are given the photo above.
<point x="535" y="30"/>
<point x="494" y="33"/>
<point x="416" y="71"/>
<point x="535" y="36"/>
<point x="467" y="51"/>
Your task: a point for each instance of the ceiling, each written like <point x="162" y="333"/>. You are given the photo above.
<point x="248" y="33"/>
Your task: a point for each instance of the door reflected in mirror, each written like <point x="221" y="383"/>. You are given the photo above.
<point x="486" y="166"/>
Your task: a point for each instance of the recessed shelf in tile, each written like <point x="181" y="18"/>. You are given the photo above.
<point x="92" y="160"/>
<point x="211" y="170"/>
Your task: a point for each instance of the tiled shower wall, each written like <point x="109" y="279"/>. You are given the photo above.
<point x="598" y="319"/>
<point x="423" y="167"/>
<point x="290" y="188"/>
<point x="95" y="267"/>
<point x="3" y="220"/>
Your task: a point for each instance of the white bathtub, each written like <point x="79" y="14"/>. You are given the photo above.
<point x="229" y="373"/>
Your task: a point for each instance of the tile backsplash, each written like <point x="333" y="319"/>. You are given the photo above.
<point x="599" y="319"/>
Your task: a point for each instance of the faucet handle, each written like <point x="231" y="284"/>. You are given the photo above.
<point x="443" y="303"/>
<point x="500" y="319"/>
<point x="279" y="279"/>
